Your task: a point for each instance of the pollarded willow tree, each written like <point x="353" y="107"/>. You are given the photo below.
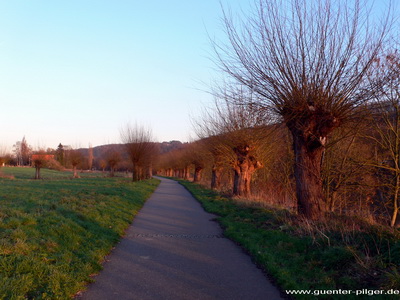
<point x="239" y="136"/>
<point x="140" y="149"/>
<point x="214" y="146"/>
<point x="112" y="158"/>
<point x="307" y="61"/>
<point x="75" y="158"/>
<point x="39" y="160"/>
<point x="198" y="158"/>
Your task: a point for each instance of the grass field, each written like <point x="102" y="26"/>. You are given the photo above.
<point x="340" y="254"/>
<point x="54" y="233"/>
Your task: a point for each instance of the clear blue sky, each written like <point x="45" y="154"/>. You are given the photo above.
<point x="77" y="71"/>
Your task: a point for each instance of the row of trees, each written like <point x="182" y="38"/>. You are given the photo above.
<point x="359" y="172"/>
<point x="316" y="75"/>
<point x="137" y="154"/>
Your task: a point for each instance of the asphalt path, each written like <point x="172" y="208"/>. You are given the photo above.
<point x="175" y="250"/>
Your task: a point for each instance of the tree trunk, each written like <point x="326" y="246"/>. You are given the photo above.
<point x="37" y="173"/>
<point x="310" y="127"/>
<point x="135" y="173"/>
<point x="307" y="171"/>
<point x="395" y="219"/>
<point x="75" y="172"/>
<point x="245" y="166"/>
<point x="395" y="212"/>
<point x="238" y="188"/>
<point x="186" y="173"/>
<point x="332" y="201"/>
<point x="111" y="171"/>
<point x="197" y="173"/>
<point x="215" y="178"/>
<point x="149" y="171"/>
<point x="242" y="179"/>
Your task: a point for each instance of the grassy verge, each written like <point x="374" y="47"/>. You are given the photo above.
<point x="54" y="233"/>
<point x="341" y="253"/>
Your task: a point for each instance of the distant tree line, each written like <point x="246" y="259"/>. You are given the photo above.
<point x="136" y="156"/>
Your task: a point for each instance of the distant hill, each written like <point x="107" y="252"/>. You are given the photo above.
<point x="99" y="151"/>
<point x="166" y="147"/>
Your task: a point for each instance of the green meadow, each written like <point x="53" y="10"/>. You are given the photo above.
<point x="55" y="232"/>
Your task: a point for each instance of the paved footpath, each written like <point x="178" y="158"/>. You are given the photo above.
<point x="174" y="250"/>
